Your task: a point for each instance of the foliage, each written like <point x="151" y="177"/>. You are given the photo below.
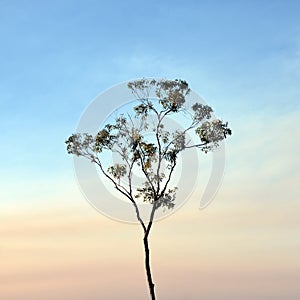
<point x="125" y="137"/>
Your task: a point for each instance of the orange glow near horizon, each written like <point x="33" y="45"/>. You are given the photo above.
<point x="71" y="253"/>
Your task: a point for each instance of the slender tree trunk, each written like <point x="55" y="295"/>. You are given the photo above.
<point x="147" y="266"/>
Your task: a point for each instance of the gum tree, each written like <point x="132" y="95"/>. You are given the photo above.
<point x="155" y="156"/>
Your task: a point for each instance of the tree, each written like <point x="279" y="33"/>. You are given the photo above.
<point x="156" y="156"/>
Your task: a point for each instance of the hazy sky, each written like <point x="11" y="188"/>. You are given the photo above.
<point x="243" y="57"/>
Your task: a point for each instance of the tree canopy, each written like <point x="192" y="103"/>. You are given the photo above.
<point x="126" y="138"/>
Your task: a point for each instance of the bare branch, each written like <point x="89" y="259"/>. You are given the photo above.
<point x="168" y="180"/>
<point x="126" y="194"/>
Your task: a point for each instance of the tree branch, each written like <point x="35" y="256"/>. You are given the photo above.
<point x="168" y="180"/>
<point x="122" y="192"/>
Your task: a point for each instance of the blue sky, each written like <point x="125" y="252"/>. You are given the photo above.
<point x="242" y="56"/>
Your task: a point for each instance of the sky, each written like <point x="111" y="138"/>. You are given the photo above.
<point x="242" y="57"/>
